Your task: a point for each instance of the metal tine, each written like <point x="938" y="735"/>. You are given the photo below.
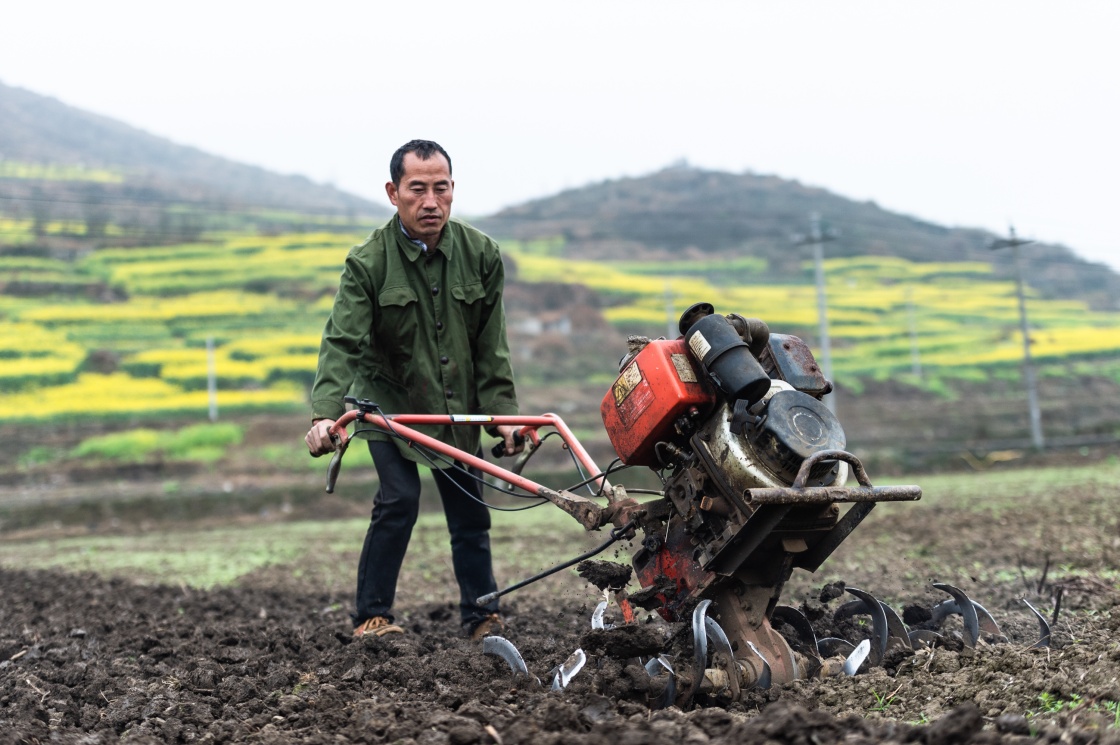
<point x="700" y="634"/>
<point x="722" y="646"/>
<point x="830" y="646"/>
<point x="1043" y="627"/>
<point x="799" y="623"/>
<point x="895" y="626"/>
<point x="568" y="669"/>
<point x="856" y="658"/>
<point x="669" y="694"/>
<point x="597" y="615"/>
<point x="717" y="635"/>
<point x="896" y="629"/>
<point x="879" y="628"/>
<point x="967" y="611"/>
<point x="700" y="647"/>
<point x="501" y="647"/>
<point x="987" y="623"/>
<point x="765" y="680"/>
<point x="660" y="661"/>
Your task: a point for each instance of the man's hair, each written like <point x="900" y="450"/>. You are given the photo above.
<point x="424" y="149"/>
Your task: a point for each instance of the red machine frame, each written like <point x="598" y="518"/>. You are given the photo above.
<point x="589" y="514"/>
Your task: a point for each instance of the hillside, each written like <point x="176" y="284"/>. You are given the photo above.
<point x="683" y="212"/>
<point x="60" y="163"/>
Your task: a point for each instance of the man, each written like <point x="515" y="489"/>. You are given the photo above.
<point x="418" y="327"/>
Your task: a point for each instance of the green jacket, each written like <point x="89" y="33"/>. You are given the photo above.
<point x="419" y="333"/>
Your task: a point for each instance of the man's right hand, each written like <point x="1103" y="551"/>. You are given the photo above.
<point x="318" y="438"/>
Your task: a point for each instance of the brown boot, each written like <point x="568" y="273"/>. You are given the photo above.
<point x="488" y="626"/>
<point x="377" y="626"/>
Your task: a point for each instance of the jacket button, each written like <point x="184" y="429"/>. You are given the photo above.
<point x="443" y="360"/>
<point x="449" y="393"/>
<point x="435" y="290"/>
<point x="439" y="325"/>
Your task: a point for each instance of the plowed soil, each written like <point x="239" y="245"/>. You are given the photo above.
<point x="92" y="659"/>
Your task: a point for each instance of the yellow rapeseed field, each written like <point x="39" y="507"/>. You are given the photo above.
<point x="263" y="299"/>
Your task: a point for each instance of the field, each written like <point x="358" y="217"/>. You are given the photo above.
<point x="238" y="631"/>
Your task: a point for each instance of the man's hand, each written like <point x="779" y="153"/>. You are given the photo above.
<point x="318" y="438"/>
<point x="513" y="446"/>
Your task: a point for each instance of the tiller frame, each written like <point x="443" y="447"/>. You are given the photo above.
<point x="767" y="532"/>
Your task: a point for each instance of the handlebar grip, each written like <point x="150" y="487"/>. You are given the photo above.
<point x="499" y="448"/>
<point x="332" y="470"/>
<point x="335" y="466"/>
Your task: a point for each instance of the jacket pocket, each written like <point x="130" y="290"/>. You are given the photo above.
<point x="395" y="333"/>
<point x="469" y="305"/>
<point x="396" y="296"/>
<point x="468" y="293"/>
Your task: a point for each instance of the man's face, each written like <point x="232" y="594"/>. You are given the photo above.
<point x="423" y="198"/>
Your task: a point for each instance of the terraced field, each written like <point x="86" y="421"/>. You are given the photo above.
<point x="127" y="330"/>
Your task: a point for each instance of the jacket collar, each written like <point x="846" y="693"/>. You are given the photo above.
<point x="412" y="250"/>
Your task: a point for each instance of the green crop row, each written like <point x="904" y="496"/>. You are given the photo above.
<point x="200" y="442"/>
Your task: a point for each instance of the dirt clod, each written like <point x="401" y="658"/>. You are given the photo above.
<point x="831" y="592"/>
<point x="623" y="642"/>
<point x="606" y="575"/>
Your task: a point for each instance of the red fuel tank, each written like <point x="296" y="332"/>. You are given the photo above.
<point x="661" y="382"/>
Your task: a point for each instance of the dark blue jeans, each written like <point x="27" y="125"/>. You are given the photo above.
<point x="395" y="508"/>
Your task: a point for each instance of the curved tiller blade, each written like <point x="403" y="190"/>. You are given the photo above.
<point x="766" y="679"/>
<point x="568" y="669"/>
<point x="967" y="611"/>
<point x="700" y="648"/>
<point x="896" y="629"/>
<point x="879" y="630"/>
<point x="1043" y="627"/>
<point x="856" y="658"/>
<point x="669" y="694"/>
<point x="984" y="619"/>
<point x="830" y="646"/>
<point x="723" y="652"/>
<point x="797" y="621"/>
<point x="501" y="647"/>
<point x="597" y="615"/>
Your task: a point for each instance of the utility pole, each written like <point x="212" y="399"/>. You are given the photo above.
<point x="1013" y="242"/>
<point x="817" y="238"/>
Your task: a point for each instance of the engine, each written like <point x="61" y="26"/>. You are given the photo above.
<point x="730" y="416"/>
<point x="744" y="401"/>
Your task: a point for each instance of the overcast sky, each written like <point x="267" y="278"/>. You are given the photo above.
<point x="963" y="113"/>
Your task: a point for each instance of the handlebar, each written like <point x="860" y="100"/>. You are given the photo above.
<point x="400" y="425"/>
